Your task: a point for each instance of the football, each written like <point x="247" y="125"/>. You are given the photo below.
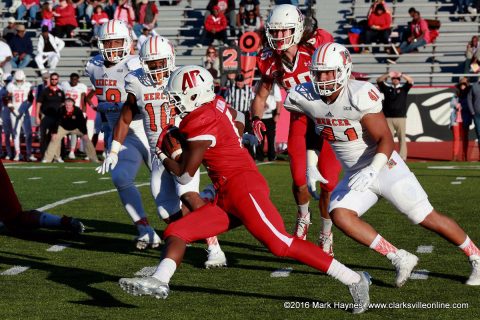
<point x="172" y="143"/>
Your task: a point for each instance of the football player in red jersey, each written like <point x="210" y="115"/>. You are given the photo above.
<point x="286" y="60"/>
<point x="212" y="139"/>
<point x="16" y="219"/>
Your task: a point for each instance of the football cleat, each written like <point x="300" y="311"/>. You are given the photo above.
<point x="325" y="241"/>
<point x="148" y="286"/>
<point x="301" y="228"/>
<point x="216" y="259"/>
<point x="474" y="279"/>
<point x="404" y="263"/>
<point x="71" y="155"/>
<point x="32" y="158"/>
<point x="360" y="292"/>
<point x="73" y="225"/>
<point x="17" y="157"/>
<point x="147" y="238"/>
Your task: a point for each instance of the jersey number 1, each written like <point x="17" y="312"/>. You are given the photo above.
<point x="163" y="116"/>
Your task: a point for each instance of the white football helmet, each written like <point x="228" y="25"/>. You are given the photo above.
<point x="115" y="29"/>
<point x="19" y="76"/>
<point x="283" y="17"/>
<point x="330" y="56"/>
<point x="189" y="87"/>
<point x="157" y="48"/>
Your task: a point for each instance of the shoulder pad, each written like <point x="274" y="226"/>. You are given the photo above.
<point x="364" y="96"/>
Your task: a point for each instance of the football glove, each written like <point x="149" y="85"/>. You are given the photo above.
<point x="108" y="164"/>
<point x="363" y="179"/>
<point x="314" y="176"/>
<point x="258" y="126"/>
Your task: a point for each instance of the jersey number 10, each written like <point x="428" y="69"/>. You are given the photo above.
<point x="165" y="120"/>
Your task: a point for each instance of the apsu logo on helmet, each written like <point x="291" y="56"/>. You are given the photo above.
<point x="190" y="79"/>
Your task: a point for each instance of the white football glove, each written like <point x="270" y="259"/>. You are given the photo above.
<point x="249" y="139"/>
<point x="363" y="179"/>
<point x="314" y="176"/>
<point x="108" y="164"/>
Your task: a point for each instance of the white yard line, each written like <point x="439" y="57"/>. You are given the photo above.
<point x="79" y="182"/>
<point x="461" y="178"/>
<point x="14" y="271"/>
<point x="58" y="247"/>
<point x="281" y="273"/>
<point x="146" y="271"/>
<point x="419" y="275"/>
<point x="29" y="167"/>
<point x="34" y="178"/>
<point x="454" y="167"/>
<point x="456" y="182"/>
<point x="89" y="195"/>
<point x="425" y="249"/>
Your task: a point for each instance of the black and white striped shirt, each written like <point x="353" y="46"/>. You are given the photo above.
<point x="240" y="98"/>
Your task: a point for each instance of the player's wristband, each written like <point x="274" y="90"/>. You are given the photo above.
<point x="379" y="160"/>
<point x="115" y="148"/>
<point x="162" y="156"/>
<point x="240" y="117"/>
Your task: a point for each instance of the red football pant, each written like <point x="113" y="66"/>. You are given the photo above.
<point x="10" y="207"/>
<point x="328" y="165"/>
<point x="246" y="198"/>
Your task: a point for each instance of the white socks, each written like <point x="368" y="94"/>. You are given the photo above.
<point x="326" y="226"/>
<point x="165" y="270"/>
<point x="342" y="273"/>
<point x="303" y="211"/>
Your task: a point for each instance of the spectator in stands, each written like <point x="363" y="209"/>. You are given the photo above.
<point x="472" y="56"/>
<point x="30" y="6"/>
<point x="99" y="17"/>
<point x="216" y="27"/>
<point x="395" y="105"/>
<point x="146" y="32"/>
<point x="6" y="56"/>
<point x="147" y="14"/>
<point x="419" y="35"/>
<point x="70" y="120"/>
<point x="124" y="12"/>
<point x="48" y="50"/>
<point x="379" y="25"/>
<point x="273" y="107"/>
<point x="22" y="48"/>
<point x="251" y="22"/>
<point x="244" y="7"/>
<point x="80" y="7"/>
<point x="461" y="7"/>
<point x="460" y="120"/>
<point x="10" y="30"/>
<point x="47" y="15"/>
<point x="211" y="62"/>
<point x="473" y="101"/>
<point x="48" y="105"/>
<point x="65" y="20"/>
<point x="227" y="7"/>
<point x="376" y="3"/>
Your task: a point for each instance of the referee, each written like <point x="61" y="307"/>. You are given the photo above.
<point x="240" y="96"/>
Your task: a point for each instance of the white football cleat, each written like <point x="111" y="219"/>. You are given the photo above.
<point x="148" y="286"/>
<point x="404" y="262"/>
<point x="301" y="228"/>
<point x="325" y="241"/>
<point x="17" y="157"/>
<point x="32" y="158"/>
<point x="71" y="155"/>
<point x="360" y="292"/>
<point x="474" y="279"/>
<point x="216" y="259"/>
<point x="147" y="238"/>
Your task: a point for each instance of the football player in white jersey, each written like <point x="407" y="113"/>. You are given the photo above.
<point x="348" y="113"/>
<point x="107" y="73"/>
<point x="145" y="97"/>
<point x="20" y="98"/>
<point x="77" y="91"/>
